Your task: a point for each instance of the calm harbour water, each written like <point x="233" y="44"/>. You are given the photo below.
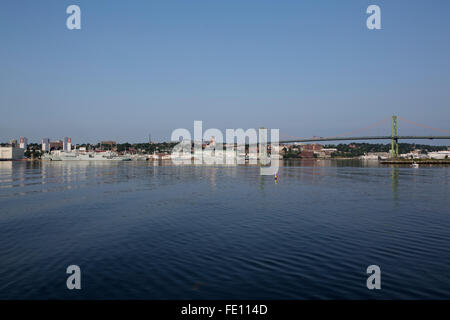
<point x="143" y="230"/>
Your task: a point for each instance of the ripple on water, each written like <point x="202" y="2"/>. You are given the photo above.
<point x="163" y="232"/>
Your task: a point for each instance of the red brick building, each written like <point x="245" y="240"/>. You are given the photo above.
<point x="312" y="147"/>
<point x="307" y="154"/>
<point x="56" y="145"/>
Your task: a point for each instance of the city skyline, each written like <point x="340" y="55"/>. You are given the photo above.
<point x="153" y="67"/>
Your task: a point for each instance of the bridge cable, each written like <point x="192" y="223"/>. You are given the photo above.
<point x="378" y="123"/>
<point x="423" y="126"/>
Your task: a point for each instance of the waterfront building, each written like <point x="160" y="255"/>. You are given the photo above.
<point x="67" y="144"/>
<point x="413" y="155"/>
<point x="312" y="147"/>
<point x="326" y="152"/>
<point x="307" y="154"/>
<point x="56" y="145"/>
<point x="45" y="145"/>
<point x="112" y="145"/>
<point x="23" y="143"/>
<point x="11" y="153"/>
<point x="439" y="155"/>
<point x="376" y="156"/>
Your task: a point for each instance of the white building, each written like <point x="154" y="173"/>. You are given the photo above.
<point x="375" y="156"/>
<point x="11" y="153"/>
<point x="67" y="144"/>
<point x="413" y="155"/>
<point x="439" y="155"/>
<point x="46" y="144"/>
<point x="326" y="152"/>
<point x="23" y="143"/>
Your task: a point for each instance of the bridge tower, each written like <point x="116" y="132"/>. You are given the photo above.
<point x="394" y="149"/>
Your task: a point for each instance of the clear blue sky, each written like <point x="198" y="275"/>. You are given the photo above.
<point x="139" y="67"/>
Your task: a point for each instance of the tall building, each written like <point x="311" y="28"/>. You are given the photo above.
<point x="23" y="143"/>
<point x="67" y="144"/>
<point x="46" y="144"/>
<point x="13" y="142"/>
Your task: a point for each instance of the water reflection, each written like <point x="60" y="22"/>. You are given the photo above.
<point x="395" y="175"/>
<point x="34" y="177"/>
<point x="158" y="228"/>
<point x="261" y="184"/>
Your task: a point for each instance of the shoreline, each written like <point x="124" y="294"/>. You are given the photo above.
<point x="418" y="161"/>
<point x="387" y="161"/>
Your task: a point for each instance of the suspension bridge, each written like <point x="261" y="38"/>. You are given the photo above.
<point x="394" y="137"/>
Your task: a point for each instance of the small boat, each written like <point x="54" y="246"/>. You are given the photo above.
<point x="415" y="165"/>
